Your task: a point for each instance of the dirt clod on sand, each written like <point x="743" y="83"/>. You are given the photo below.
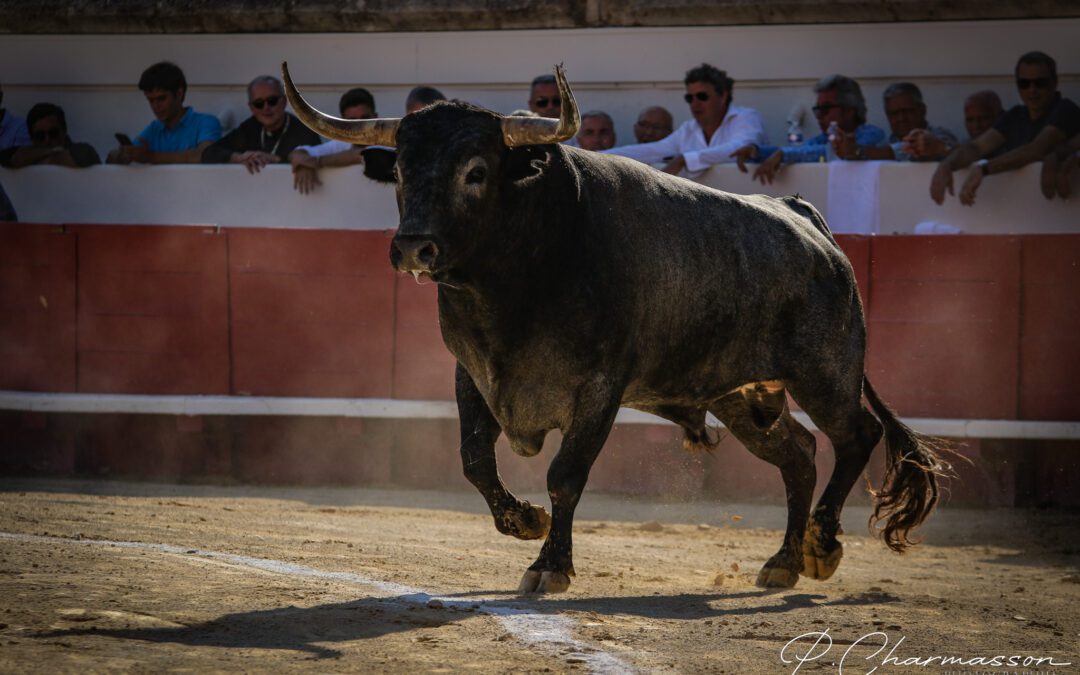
<point x="107" y="576"/>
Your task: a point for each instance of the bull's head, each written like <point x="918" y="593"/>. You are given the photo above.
<point x="453" y="162"/>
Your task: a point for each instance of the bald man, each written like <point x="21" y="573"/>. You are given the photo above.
<point x="653" y="124"/>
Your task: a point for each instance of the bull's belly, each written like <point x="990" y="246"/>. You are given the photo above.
<point x="527" y="409"/>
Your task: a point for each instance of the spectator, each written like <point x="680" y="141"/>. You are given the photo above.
<point x="839" y="100"/>
<point x="718" y="127"/>
<point x="597" y="131"/>
<point x="50" y="142"/>
<point x="306" y="160"/>
<point x="653" y="124"/>
<point x="912" y="138"/>
<point x="268" y="136"/>
<point x="179" y="134"/>
<point x="422" y="97"/>
<point x="13" y="131"/>
<point x="544" y="98"/>
<point x="981" y="110"/>
<point x="1026" y="133"/>
<point x="1059" y="167"/>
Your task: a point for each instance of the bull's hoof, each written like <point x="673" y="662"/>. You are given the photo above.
<point x="530" y="522"/>
<point x="535" y="581"/>
<point x="820" y="559"/>
<point x="819" y="563"/>
<point x="776" y="577"/>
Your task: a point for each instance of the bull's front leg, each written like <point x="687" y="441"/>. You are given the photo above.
<point x="594" y="413"/>
<point x="479" y="431"/>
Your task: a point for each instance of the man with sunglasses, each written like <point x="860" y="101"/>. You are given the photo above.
<point x="716" y="129"/>
<point x="179" y="134"/>
<point x="268" y="136"/>
<point x="1024" y="134"/>
<point x="544" y="97"/>
<point x="839" y="100"/>
<point x="50" y="143"/>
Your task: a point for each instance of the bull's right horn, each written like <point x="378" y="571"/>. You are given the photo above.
<point x="380" y="131"/>
<point x="537" y="130"/>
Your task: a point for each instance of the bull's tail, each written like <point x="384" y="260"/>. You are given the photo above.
<point x="914" y="463"/>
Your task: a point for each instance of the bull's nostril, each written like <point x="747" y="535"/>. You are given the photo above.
<point x="427" y="253"/>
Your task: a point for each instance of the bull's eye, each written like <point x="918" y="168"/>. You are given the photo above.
<point x="476" y="175"/>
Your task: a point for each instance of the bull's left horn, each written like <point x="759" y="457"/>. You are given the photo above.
<point x="380" y="131"/>
<point x="536" y="130"/>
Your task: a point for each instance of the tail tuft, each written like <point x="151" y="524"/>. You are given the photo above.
<point x="914" y="464"/>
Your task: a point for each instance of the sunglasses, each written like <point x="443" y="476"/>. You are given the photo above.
<point x="822" y="110"/>
<point x="543" y="101"/>
<point x="52" y="134"/>
<point x="269" y="100"/>
<point x="701" y="96"/>
<point x="1038" y="83"/>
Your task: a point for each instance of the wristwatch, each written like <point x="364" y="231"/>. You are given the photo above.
<point x="982" y="164"/>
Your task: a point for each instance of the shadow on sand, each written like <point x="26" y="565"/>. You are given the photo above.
<point x="310" y="629"/>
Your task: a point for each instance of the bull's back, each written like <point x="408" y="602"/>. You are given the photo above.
<point x="712" y="280"/>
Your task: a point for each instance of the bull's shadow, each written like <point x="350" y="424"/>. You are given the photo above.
<point x="309" y="629"/>
<point x="301" y="629"/>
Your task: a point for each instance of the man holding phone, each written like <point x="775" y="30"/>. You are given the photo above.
<point x="179" y="134"/>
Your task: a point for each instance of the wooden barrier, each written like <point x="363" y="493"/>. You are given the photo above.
<point x="966" y="327"/>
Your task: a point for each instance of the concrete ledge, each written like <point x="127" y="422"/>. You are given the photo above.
<point x="227" y="196"/>
<point x="399" y="409"/>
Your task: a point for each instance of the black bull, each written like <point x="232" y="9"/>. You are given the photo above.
<point x="573" y="283"/>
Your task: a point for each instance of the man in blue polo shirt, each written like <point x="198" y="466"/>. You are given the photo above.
<point x="179" y="134"/>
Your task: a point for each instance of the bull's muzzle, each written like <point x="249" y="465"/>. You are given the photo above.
<point x="415" y="254"/>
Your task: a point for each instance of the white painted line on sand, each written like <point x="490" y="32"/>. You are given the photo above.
<point x="551" y="633"/>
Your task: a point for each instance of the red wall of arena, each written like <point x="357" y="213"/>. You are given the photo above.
<point x="982" y="327"/>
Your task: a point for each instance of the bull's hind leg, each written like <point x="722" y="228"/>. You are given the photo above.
<point x="854" y="432"/>
<point x="479" y="431"/>
<point x="759" y="418"/>
<point x="594" y="413"/>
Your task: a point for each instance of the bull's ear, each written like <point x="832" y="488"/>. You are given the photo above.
<point x="525" y="162"/>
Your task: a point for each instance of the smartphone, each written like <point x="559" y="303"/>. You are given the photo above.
<point x="123" y="139"/>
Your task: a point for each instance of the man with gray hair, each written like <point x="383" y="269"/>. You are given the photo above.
<point x="840" y="101"/>
<point x="268" y="136"/>
<point x="912" y="138"/>
<point x="717" y="127"/>
<point x="981" y="110"/>
<point x="597" y="131"/>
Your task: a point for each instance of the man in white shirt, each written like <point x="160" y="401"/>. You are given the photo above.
<point x="717" y="129"/>
<point x="306" y="160"/>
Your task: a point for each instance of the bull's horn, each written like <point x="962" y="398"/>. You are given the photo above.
<point x="380" y="131"/>
<point x="535" y="130"/>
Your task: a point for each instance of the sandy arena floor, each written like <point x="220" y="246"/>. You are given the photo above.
<point x="105" y="576"/>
